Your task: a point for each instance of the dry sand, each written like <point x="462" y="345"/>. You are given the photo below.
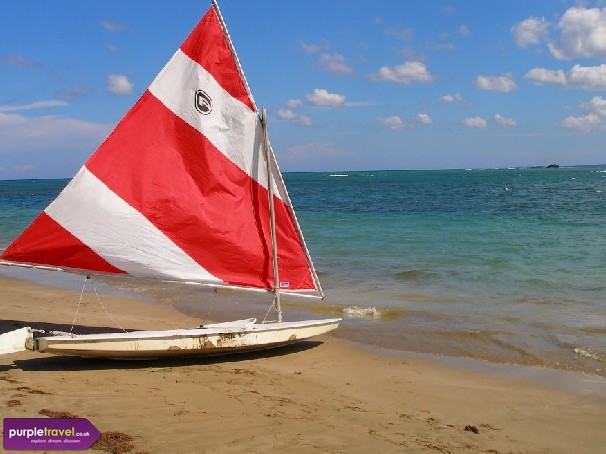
<point x="324" y="396"/>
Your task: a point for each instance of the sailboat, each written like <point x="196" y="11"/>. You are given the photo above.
<point x="185" y="189"/>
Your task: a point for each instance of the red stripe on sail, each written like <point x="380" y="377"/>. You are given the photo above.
<point x="198" y="198"/>
<point x="208" y="46"/>
<point x="45" y="242"/>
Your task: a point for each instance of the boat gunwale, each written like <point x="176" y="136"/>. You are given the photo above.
<point x="190" y="332"/>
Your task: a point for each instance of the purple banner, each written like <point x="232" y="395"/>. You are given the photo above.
<point x="49" y="433"/>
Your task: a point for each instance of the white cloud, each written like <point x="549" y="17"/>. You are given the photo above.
<point x="289" y="115"/>
<point x="587" y="77"/>
<point x="286" y="114"/>
<point x="456" y="98"/>
<point x="20" y="133"/>
<point x="113" y="26"/>
<point x="34" y="105"/>
<point x="309" y="48"/>
<point x="475" y="122"/>
<point x="582" y="33"/>
<point x="119" y="84"/>
<point x="579" y="33"/>
<point x="398" y="123"/>
<point x="464" y="31"/>
<point x="542" y="75"/>
<point x="18" y="60"/>
<point x="394" y="122"/>
<point x="424" y="118"/>
<point x="505" y="122"/>
<point x="11" y="119"/>
<point x="322" y="98"/>
<point x="303" y="120"/>
<point x="583" y="123"/>
<point x="294" y="103"/>
<point x="405" y="73"/>
<point x="334" y="63"/>
<point x="529" y="31"/>
<point x="504" y="83"/>
<point x="594" y="118"/>
<point x="581" y="77"/>
<point x="597" y="105"/>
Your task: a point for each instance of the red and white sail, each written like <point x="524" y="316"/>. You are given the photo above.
<point x="179" y="190"/>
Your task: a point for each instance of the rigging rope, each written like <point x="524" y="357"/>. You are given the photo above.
<point x="98" y="300"/>
<point x="273" y="304"/>
<point x="71" y="330"/>
<point x="213" y="300"/>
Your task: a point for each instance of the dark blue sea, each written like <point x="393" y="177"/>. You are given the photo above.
<point x="503" y="265"/>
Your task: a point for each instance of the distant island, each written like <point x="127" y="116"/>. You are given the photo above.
<point x="553" y="166"/>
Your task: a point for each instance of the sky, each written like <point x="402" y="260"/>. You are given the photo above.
<point x="348" y="85"/>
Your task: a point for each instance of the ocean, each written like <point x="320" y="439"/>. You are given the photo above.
<point x="502" y="265"/>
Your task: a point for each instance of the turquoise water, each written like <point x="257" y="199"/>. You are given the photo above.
<point x="506" y="265"/>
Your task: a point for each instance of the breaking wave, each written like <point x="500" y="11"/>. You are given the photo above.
<point x="361" y="312"/>
<point x="588" y="353"/>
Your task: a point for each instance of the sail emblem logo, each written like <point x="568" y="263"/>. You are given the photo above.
<point x="203" y="102"/>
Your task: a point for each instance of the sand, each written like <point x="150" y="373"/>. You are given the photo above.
<point x="325" y="396"/>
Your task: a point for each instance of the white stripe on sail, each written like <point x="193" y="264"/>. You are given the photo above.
<point x="231" y="126"/>
<point x="114" y="230"/>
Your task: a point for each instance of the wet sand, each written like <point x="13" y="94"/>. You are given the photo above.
<point x="325" y="395"/>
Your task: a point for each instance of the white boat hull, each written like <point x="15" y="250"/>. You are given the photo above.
<point x="217" y="339"/>
<point x="15" y="341"/>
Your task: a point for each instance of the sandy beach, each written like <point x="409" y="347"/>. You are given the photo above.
<point x="328" y="395"/>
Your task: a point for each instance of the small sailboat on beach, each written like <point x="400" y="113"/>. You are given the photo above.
<point x="185" y="189"/>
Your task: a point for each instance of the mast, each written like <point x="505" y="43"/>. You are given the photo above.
<point x="268" y="158"/>
<point x="272" y="215"/>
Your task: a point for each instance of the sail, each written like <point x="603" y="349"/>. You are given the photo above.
<point x="179" y="190"/>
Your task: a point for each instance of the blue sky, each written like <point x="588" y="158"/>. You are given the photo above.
<point x="349" y="85"/>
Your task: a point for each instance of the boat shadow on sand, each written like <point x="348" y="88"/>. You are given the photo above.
<point x="74" y="363"/>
